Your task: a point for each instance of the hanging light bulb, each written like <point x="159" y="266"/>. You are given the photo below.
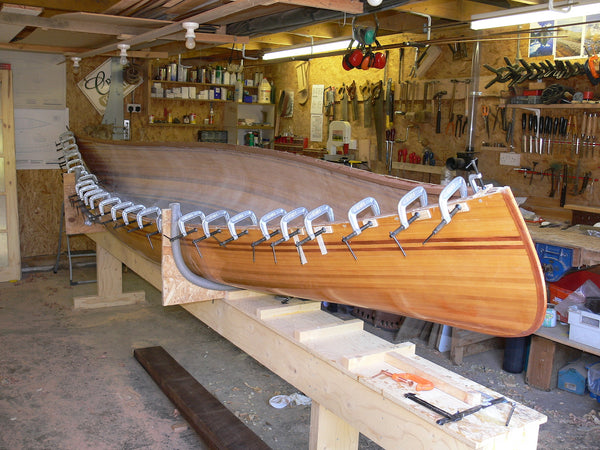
<point x="123" y="47"/>
<point x="75" y="60"/>
<point x="190" y="36"/>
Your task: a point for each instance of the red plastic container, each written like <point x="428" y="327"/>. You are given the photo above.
<point x="562" y="288"/>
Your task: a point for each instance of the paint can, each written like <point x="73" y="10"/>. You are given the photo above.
<point x="550" y="318"/>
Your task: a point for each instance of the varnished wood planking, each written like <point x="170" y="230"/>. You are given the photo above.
<point x="501" y="293"/>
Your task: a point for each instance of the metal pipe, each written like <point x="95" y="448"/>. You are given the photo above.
<point x="182" y="266"/>
<point x="473" y="94"/>
<point x="428" y="22"/>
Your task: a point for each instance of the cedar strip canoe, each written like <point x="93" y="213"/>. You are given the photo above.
<point x="479" y="272"/>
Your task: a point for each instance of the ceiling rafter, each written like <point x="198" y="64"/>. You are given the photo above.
<point x="82" y="26"/>
<point x="213" y="14"/>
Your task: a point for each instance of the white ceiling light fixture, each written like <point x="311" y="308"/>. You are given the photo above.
<point x="534" y="14"/>
<point x="76" y="60"/>
<point x="190" y="36"/>
<point x="123" y="47"/>
<point x="305" y="50"/>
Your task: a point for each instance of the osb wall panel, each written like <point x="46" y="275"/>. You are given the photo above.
<point x="40" y="200"/>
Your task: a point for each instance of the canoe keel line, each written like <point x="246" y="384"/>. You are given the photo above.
<point x="458" y="255"/>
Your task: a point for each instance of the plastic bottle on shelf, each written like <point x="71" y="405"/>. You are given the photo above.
<point x="211" y="115"/>
<point x="239" y="91"/>
<point x="264" y="91"/>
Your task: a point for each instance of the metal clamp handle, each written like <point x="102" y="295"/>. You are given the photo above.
<point x="86" y="188"/>
<point x="69" y="145"/>
<point x="74" y="168"/>
<point x="67" y="135"/>
<point x="212" y="217"/>
<point x="98" y="196"/>
<point x="312" y="215"/>
<point x="117" y="207"/>
<point x="108" y="201"/>
<point x="264" y="220"/>
<point x="85" y="182"/>
<point x="456" y="184"/>
<point x="68" y="154"/>
<point x="186" y="218"/>
<point x="238" y="218"/>
<point x="357" y="208"/>
<point x="417" y="193"/>
<point x="147" y="211"/>
<point x="131" y="209"/>
<point x="287" y="218"/>
<point x="88" y="194"/>
<point x="87" y="176"/>
<point x="74" y="162"/>
<point x="473" y="181"/>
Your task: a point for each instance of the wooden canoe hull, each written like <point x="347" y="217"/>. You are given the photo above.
<point x="480" y="272"/>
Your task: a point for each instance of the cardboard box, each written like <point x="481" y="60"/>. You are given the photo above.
<point x="584" y="327"/>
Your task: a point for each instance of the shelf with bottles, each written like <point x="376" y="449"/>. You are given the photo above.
<point x="193" y="83"/>
<point x="184" y="125"/>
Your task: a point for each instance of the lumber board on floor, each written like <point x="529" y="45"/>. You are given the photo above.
<point x="215" y="424"/>
<point x="465" y="343"/>
<point x="545" y="359"/>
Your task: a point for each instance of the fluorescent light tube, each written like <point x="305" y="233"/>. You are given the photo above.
<point x="531" y="14"/>
<point x="307" y="50"/>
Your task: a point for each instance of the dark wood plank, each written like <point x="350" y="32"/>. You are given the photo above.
<point x="215" y="424"/>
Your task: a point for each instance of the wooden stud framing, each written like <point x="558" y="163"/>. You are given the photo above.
<point x="9" y="227"/>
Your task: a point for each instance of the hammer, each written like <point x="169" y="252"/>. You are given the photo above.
<point x="438" y="121"/>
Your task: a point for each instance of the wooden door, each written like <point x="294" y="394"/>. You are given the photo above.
<point x="10" y="259"/>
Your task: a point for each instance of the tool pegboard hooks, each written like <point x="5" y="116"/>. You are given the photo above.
<point x="363" y="57"/>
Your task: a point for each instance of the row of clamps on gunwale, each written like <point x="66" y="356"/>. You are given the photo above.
<point x="88" y="192"/>
<point x="284" y="233"/>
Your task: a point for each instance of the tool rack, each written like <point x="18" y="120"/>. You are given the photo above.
<point x="335" y="363"/>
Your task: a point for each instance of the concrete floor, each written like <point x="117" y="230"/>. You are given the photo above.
<point x="68" y="379"/>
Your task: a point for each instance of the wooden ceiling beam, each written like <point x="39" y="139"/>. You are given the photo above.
<point x="119" y="7"/>
<point x="58" y="23"/>
<point x="347" y="6"/>
<point x="9" y="31"/>
<point x="39" y="48"/>
<point x="457" y="10"/>
<point x="204" y="17"/>
<point x="184" y="7"/>
<point x="69" y="5"/>
<point x="210" y="38"/>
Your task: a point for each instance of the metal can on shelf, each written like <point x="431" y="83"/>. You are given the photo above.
<point x="550" y="318"/>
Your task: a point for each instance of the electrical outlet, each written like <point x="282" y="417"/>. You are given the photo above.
<point x="126" y="129"/>
<point x="134" y="108"/>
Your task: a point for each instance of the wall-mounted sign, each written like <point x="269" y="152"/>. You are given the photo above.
<point x="96" y="86"/>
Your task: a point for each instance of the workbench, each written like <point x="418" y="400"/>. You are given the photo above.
<point x="586" y="249"/>
<point x="337" y="364"/>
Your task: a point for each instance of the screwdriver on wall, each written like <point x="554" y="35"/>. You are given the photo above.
<point x="523" y="135"/>
<point x="540" y="136"/>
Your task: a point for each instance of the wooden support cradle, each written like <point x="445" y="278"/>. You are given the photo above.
<point x="334" y="362"/>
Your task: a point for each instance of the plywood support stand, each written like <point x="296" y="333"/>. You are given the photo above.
<point x="329" y="431"/>
<point x="337" y="364"/>
<point x="110" y="284"/>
